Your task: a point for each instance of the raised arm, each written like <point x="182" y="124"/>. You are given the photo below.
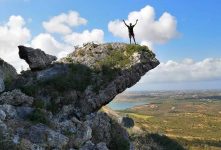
<point x="136" y="22"/>
<point x="125" y="23"/>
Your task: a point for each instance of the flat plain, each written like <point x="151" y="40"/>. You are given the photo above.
<point x="191" y="118"/>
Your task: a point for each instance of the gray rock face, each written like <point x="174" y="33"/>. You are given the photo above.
<point x="39" y="134"/>
<point x="16" y="98"/>
<point x="107" y="131"/>
<point x="79" y="132"/>
<point x="36" y="58"/>
<point x="102" y="146"/>
<point x="82" y="135"/>
<point x="2" y="115"/>
<point x="2" y="85"/>
<point x="7" y="74"/>
<point x="101" y="128"/>
<point x="9" y="110"/>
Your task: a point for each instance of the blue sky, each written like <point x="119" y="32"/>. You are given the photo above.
<point x="198" y="25"/>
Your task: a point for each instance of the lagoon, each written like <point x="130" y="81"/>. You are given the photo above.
<point x="124" y="105"/>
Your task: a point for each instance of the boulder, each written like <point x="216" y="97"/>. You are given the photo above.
<point x="36" y="58"/>
<point x="9" y="110"/>
<point x="16" y="98"/>
<point x="126" y="122"/>
<point x="88" y="146"/>
<point x="106" y="130"/>
<point x="101" y="146"/>
<point x="42" y="135"/>
<point x="82" y="134"/>
<point x="101" y="127"/>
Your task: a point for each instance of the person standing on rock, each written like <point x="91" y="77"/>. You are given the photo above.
<point x="131" y="30"/>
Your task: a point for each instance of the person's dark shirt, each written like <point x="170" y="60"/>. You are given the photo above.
<point x="131" y="30"/>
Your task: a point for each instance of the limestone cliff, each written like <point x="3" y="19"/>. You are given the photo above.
<point x="55" y="106"/>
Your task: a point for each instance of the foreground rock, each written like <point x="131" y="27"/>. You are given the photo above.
<point x="39" y="129"/>
<point x="7" y="74"/>
<point x="36" y="58"/>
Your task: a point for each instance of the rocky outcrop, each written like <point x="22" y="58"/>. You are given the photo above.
<point x="7" y="74"/>
<point x="36" y="58"/>
<point x="55" y="106"/>
<point x="88" y="78"/>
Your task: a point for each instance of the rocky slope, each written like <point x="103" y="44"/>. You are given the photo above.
<point x="54" y="105"/>
<point x="7" y="74"/>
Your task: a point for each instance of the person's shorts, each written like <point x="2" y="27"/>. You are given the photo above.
<point x="131" y="34"/>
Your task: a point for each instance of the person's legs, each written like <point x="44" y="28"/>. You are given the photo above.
<point x="134" y="39"/>
<point x="130" y="38"/>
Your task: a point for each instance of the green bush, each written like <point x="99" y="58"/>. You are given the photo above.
<point x="109" y="47"/>
<point x="53" y="107"/>
<point x="38" y="104"/>
<point x="69" y="59"/>
<point x="30" y="90"/>
<point x="39" y="116"/>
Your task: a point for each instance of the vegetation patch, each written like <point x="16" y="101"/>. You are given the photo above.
<point x="118" y="59"/>
<point x="39" y="104"/>
<point x="39" y="116"/>
<point x="68" y="133"/>
<point x="139" y="116"/>
<point x="78" y="78"/>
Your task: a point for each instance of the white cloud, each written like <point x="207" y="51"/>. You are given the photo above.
<point x="12" y="34"/>
<point x="62" y="23"/>
<point x="186" y="70"/>
<point x="50" y="45"/>
<point x="148" y="28"/>
<point x="96" y="35"/>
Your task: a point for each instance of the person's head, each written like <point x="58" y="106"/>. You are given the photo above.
<point x="130" y="24"/>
